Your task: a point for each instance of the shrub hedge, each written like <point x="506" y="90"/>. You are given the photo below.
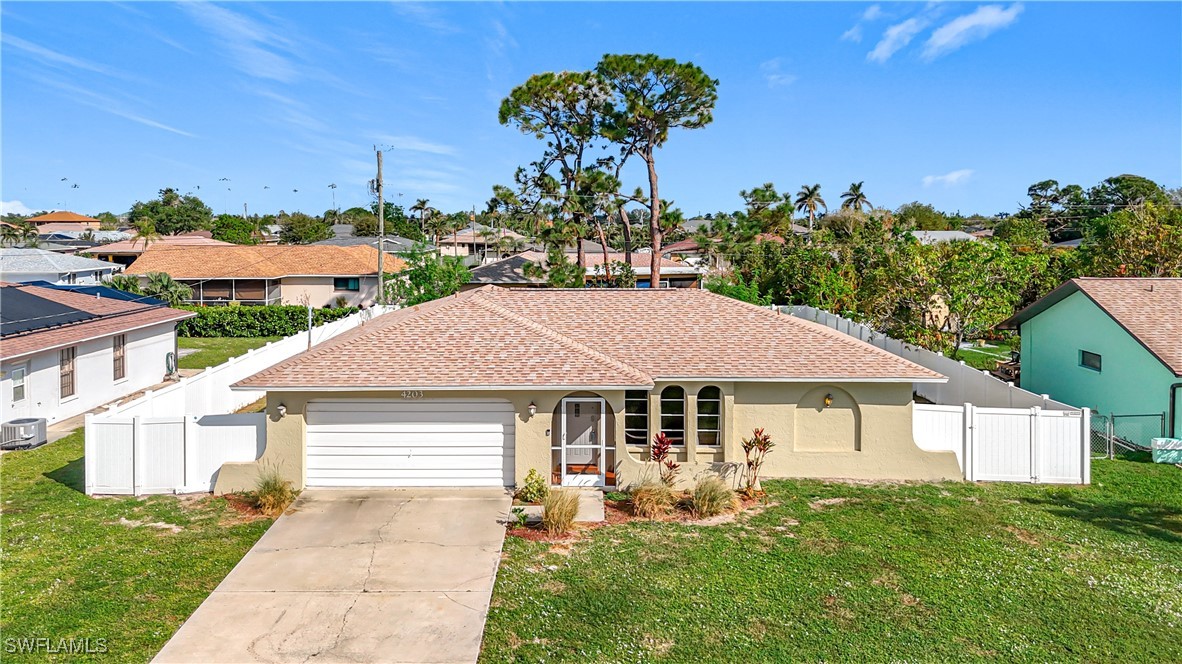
<point x="255" y="321"/>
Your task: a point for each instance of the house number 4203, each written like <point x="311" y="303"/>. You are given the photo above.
<point x="412" y="394"/>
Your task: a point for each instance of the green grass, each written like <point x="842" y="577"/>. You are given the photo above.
<point x="212" y="351"/>
<point x="985" y="358"/>
<point x="897" y="572"/>
<point x="70" y="568"/>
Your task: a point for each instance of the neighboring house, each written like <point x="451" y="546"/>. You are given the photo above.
<point x="479" y="388"/>
<point x="479" y="240"/>
<point x="270" y="274"/>
<point x="1112" y="345"/>
<point x="64" y="217"/>
<point x="127" y="251"/>
<point x="25" y="265"/>
<point x="692" y="253"/>
<point x="937" y="237"/>
<point x="510" y="272"/>
<point x="63" y="353"/>
<point x="81" y="241"/>
<point x="394" y="244"/>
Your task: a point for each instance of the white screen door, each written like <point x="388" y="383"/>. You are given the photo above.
<point x="584" y="439"/>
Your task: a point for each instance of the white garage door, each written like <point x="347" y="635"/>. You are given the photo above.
<point x="391" y="442"/>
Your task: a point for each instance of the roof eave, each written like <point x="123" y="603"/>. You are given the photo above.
<point x="434" y="388"/>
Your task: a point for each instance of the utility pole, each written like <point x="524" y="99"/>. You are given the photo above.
<point x="381" y="234"/>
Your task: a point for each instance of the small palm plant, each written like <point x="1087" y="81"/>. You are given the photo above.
<point x="162" y="286"/>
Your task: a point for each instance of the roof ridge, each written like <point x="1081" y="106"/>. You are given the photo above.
<point x="823" y="330"/>
<point x="485" y="302"/>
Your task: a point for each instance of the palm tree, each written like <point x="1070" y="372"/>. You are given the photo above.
<point x="145" y="231"/>
<point x="854" y="199"/>
<point x="9" y="235"/>
<point x="162" y="286"/>
<point x="808" y="199"/>
<point x="421" y="206"/>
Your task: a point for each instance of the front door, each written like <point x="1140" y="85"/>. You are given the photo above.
<point x="584" y="438"/>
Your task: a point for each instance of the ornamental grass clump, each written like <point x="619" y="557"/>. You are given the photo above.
<point x="652" y="499"/>
<point x="711" y="496"/>
<point x="272" y="493"/>
<point x="756" y="448"/>
<point x="559" y="509"/>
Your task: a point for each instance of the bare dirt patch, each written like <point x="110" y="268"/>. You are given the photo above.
<point x="1023" y="535"/>
<point x="822" y="503"/>
<point x="159" y="525"/>
<point x="243" y="509"/>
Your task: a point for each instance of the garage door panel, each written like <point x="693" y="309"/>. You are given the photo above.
<point x="376" y="442"/>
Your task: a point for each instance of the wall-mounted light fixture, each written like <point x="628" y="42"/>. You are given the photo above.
<point x="828" y="400"/>
<point x="281" y="409"/>
<point x="533" y="409"/>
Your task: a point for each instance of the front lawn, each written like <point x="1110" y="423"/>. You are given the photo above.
<point x="127" y="570"/>
<point x="212" y="351"/>
<point x="852" y="572"/>
<point x="985" y="357"/>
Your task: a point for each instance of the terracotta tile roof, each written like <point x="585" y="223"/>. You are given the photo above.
<point x="261" y="261"/>
<point x="505" y="338"/>
<point x="138" y="246"/>
<point x="1149" y="309"/>
<point x="113" y="317"/>
<point x="61" y="215"/>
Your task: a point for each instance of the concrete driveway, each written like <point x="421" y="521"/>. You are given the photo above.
<point x="357" y="576"/>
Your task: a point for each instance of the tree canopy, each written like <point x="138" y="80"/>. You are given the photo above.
<point x="172" y="213"/>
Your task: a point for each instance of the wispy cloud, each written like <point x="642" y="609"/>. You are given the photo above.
<point x="416" y="144"/>
<point x="854" y="34"/>
<point x="252" y="44"/>
<point x="55" y="59"/>
<point x="948" y="179"/>
<point x="499" y="39"/>
<point x="895" y="38"/>
<point x="426" y="16"/>
<point x="774" y="74"/>
<point x="109" y="104"/>
<point x="14" y="207"/>
<point x="969" y="28"/>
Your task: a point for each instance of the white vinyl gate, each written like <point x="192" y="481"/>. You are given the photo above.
<point x="396" y="443"/>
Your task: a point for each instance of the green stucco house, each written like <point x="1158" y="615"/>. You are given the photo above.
<point x="1112" y="345"/>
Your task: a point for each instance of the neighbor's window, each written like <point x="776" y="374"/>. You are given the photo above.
<point x="347" y="283"/>
<point x="709" y="415"/>
<point x="66" y="365"/>
<point x="636" y="417"/>
<point x="119" y="362"/>
<point x="673" y="414"/>
<point x="18" y="382"/>
<point x="1089" y="360"/>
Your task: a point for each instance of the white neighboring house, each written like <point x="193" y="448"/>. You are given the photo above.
<point x="937" y="237"/>
<point x="63" y="353"/>
<point x="28" y="265"/>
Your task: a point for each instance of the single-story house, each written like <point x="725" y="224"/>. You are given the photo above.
<point x="479" y="240"/>
<point x="393" y="244"/>
<point x="65" y="217"/>
<point x="270" y="274"/>
<point x="64" y="352"/>
<point x="937" y="237"/>
<point x="126" y="252"/>
<point x="510" y="272"/>
<point x="479" y="388"/>
<point x="1112" y="345"/>
<point x="25" y="265"/>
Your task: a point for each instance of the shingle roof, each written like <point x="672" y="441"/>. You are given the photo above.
<point x="114" y="316"/>
<point x="261" y="261"/>
<point x="39" y="261"/>
<point x="1148" y="309"/>
<point x="568" y="338"/>
<point x="394" y="243"/>
<point x="138" y="246"/>
<point x="511" y="270"/>
<point x="61" y="215"/>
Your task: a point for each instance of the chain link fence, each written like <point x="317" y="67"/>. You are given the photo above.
<point x="1114" y="434"/>
<point x="1101" y="440"/>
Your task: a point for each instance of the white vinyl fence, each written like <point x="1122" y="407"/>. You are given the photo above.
<point x="1009" y="444"/>
<point x="965" y="384"/>
<point x="174" y="440"/>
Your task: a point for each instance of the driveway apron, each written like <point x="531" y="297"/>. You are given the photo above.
<point x="376" y="575"/>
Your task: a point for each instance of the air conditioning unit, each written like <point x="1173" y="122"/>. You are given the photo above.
<point x="24" y="433"/>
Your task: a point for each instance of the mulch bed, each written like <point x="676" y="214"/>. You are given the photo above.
<point x="618" y="512"/>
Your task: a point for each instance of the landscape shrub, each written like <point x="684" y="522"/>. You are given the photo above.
<point x="274" y="320"/>
<point x="711" y="496"/>
<point x="755" y="448"/>
<point x="272" y="493"/>
<point x="559" y="509"/>
<point x="651" y="499"/>
<point x="534" y="489"/>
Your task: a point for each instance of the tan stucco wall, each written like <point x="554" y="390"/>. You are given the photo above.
<point x="320" y="291"/>
<point x="864" y="434"/>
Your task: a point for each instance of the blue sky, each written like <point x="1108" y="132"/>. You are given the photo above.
<point x="962" y="105"/>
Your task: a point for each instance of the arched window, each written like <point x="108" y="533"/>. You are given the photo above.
<point x="709" y="415"/>
<point x="636" y="417"/>
<point x="673" y="414"/>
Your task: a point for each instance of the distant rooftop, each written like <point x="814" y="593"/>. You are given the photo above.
<point x="61" y="216"/>
<point x="41" y="261"/>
